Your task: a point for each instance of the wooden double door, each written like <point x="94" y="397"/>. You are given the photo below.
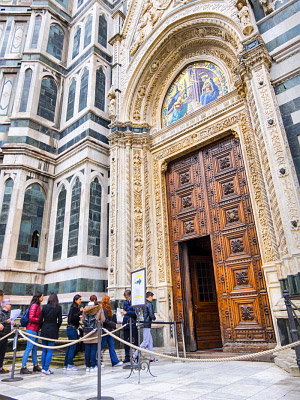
<point x="213" y="237"/>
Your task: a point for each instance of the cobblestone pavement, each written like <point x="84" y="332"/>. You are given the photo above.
<point x="173" y="381"/>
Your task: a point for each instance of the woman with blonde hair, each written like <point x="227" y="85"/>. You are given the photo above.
<point x="110" y="325"/>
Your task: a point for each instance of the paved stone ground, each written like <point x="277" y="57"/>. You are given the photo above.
<point x="174" y="381"/>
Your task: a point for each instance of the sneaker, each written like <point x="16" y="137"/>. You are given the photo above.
<point x="87" y="369"/>
<point x="72" y="368"/>
<point x="154" y="360"/>
<point x="44" y="372"/>
<point x="126" y="360"/>
<point x="4" y="371"/>
<point x="49" y="372"/>
<point x="36" y="368"/>
<point x="102" y="365"/>
<point x="119" y="364"/>
<point x="65" y="368"/>
<point x="25" y="371"/>
<point x="94" y="369"/>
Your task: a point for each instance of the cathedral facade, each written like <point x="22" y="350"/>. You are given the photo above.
<point x="157" y="134"/>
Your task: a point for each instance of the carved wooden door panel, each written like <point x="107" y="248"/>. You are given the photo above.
<point x="209" y="195"/>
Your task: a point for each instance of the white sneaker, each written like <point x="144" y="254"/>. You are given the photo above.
<point x="94" y="369"/>
<point x="65" y="367"/>
<point x="44" y="372"/>
<point x="119" y="364"/>
<point x="102" y="365"/>
<point x="49" y="372"/>
<point x="72" y="368"/>
<point x="87" y="369"/>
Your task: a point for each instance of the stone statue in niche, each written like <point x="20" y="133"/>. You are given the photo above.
<point x="112" y="107"/>
<point x="151" y="13"/>
<point x="244" y="17"/>
<point x="267" y="5"/>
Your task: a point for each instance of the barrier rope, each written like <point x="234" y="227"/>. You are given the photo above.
<point x="70" y="340"/>
<point x="236" y="358"/>
<point x="4" y="337"/>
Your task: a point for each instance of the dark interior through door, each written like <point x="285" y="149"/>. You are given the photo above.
<point x="204" y="296"/>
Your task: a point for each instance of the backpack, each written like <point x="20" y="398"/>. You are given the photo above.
<point x="90" y="323"/>
<point x="25" y="318"/>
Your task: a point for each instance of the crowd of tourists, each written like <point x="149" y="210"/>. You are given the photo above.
<point x="43" y="323"/>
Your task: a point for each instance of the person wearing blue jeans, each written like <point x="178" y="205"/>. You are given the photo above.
<point x="50" y="321"/>
<point x="74" y="315"/>
<point x="70" y="352"/>
<point x="111" y="347"/>
<point x="47" y="355"/>
<point x="30" y="348"/>
<point x="90" y="355"/>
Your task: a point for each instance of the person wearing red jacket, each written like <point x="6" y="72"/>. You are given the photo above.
<point x="33" y="328"/>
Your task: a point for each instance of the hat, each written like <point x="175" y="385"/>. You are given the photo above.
<point x="91" y="303"/>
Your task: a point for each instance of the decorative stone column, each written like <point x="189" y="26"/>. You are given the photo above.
<point x="279" y="187"/>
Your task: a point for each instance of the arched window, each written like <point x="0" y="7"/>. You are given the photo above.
<point x="76" y="42"/>
<point x="5" y="210"/>
<point x="100" y="89"/>
<point x="47" y="100"/>
<point x="55" y="41"/>
<point x="59" y="226"/>
<point x="31" y="224"/>
<point x="71" y="100"/>
<point x="36" y="32"/>
<point x="74" y="219"/>
<point x="84" y="84"/>
<point x="26" y="89"/>
<point x="94" y="225"/>
<point x="35" y="239"/>
<point x="88" y="31"/>
<point x="102" y="31"/>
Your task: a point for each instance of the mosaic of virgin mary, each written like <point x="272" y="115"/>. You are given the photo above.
<point x="198" y="84"/>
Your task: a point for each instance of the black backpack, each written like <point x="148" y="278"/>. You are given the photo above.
<point x="90" y="323"/>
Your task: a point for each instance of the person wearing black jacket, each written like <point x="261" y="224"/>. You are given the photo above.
<point x="148" y="318"/>
<point x="129" y="312"/>
<point x="5" y="328"/>
<point x="50" y="321"/>
<point x="72" y="331"/>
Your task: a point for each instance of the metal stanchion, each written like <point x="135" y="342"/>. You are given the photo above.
<point x="176" y="339"/>
<point x="183" y="340"/>
<point x="99" y="397"/>
<point x="12" y="376"/>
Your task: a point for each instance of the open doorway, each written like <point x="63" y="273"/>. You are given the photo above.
<point x="202" y="294"/>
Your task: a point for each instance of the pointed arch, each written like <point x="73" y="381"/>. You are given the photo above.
<point x="5" y="210"/>
<point x="56" y="41"/>
<point x="74" y="219"/>
<point x="84" y="84"/>
<point x="32" y="220"/>
<point x="36" y="32"/>
<point x="76" y="42"/>
<point x="94" y="223"/>
<point x="102" y="30"/>
<point x="60" y="223"/>
<point x="71" y="100"/>
<point x="88" y="31"/>
<point x="47" y="100"/>
<point x="26" y="90"/>
<point x="100" y="89"/>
